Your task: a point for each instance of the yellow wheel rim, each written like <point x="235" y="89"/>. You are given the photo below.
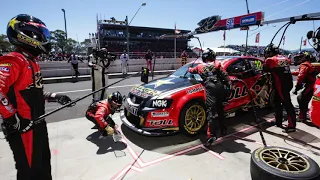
<point x="285" y="160"/>
<point x="195" y="118"/>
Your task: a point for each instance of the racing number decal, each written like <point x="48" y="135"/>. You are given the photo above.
<point x="238" y="92"/>
<point x="258" y="64"/>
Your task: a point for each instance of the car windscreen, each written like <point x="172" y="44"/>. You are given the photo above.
<point x="182" y="71"/>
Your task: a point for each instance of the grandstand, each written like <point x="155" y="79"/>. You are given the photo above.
<point x="140" y="39"/>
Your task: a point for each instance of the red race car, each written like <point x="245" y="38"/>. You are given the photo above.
<point x="176" y="103"/>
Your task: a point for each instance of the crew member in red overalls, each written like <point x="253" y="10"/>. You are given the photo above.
<point x="307" y="77"/>
<point x="279" y="67"/>
<point x="23" y="99"/>
<point x="184" y="57"/>
<point x="315" y="103"/>
<point x="98" y="113"/>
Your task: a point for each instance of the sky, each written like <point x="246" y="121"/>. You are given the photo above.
<point x="81" y="17"/>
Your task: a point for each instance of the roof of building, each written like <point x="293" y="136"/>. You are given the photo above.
<point x="141" y="27"/>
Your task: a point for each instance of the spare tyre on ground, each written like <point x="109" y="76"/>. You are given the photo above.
<point x="278" y="163"/>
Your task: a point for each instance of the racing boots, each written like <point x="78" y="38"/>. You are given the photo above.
<point x="289" y="129"/>
<point x="210" y="141"/>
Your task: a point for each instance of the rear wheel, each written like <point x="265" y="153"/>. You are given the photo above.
<point x="192" y="118"/>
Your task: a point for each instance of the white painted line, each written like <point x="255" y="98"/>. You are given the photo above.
<point x="136" y="169"/>
<point x="81" y="90"/>
<point x="172" y="155"/>
<point x="213" y="153"/>
<point x="121" y="173"/>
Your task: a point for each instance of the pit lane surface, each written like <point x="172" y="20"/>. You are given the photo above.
<point x="82" y="88"/>
<point x="78" y="152"/>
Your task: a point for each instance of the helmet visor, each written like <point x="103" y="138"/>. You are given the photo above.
<point x="36" y="31"/>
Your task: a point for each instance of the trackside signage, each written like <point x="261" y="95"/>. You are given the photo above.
<point x="248" y="20"/>
<point x="252" y="19"/>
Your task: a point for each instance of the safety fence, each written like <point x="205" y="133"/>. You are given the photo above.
<point x="63" y="68"/>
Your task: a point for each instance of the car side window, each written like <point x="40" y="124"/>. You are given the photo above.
<point x="257" y="65"/>
<point x="237" y="67"/>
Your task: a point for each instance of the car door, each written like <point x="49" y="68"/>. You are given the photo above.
<point x="239" y="93"/>
<point x="261" y="83"/>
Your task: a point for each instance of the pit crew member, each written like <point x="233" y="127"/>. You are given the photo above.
<point x="98" y="113"/>
<point x="315" y="103"/>
<point x="307" y="76"/>
<point x="215" y="79"/>
<point x="148" y="58"/>
<point x="99" y="75"/>
<point x="184" y="57"/>
<point x="279" y="66"/>
<point x="23" y="99"/>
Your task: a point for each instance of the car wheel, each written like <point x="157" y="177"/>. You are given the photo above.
<point x="192" y="118"/>
<point x="271" y="103"/>
<point x="277" y="163"/>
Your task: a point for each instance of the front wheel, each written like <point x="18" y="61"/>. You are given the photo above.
<point x="192" y="118"/>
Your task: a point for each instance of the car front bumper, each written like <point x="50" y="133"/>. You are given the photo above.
<point x="145" y="131"/>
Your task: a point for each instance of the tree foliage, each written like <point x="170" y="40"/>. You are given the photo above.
<point x="5" y="45"/>
<point x="58" y="40"/>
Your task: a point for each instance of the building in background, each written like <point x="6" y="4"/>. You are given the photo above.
<point x="114" y="36"/>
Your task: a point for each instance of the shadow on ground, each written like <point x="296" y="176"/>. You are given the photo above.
<point x="174" y="143"/>
<point x="105" y="144"/>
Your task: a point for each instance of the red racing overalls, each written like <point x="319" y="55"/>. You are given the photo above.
<point x="98" y="113"/>
<point x="315" y="103"/>
<point x="307" y="76"/>
<point x="22" y="96"/>
<point x="214" y="79"/>
<point x="279" y="67"/>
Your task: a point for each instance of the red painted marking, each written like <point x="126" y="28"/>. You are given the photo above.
<point x="121" y="172"/>
<point x="55" y="152"/>
<point x="181" y="152"/>
<point x="126" y="169"/>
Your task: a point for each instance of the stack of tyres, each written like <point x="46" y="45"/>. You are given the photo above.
<point x="145" y="75"/>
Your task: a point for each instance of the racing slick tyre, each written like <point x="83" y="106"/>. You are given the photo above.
<point x="192" y="118"/>
<point x="278" y="163"/>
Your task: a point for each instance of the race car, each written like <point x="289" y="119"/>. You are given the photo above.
<point x="176" y="103"/>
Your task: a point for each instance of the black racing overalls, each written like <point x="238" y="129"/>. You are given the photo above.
<point x="214" y="79"/>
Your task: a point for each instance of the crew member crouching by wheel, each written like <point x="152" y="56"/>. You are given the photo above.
<point x="215" y="79"/>
<point x="306" y="75"/>
<point x="315" y="103"/>
<point x="279" y="67"/>
<point x="98" y="113"/>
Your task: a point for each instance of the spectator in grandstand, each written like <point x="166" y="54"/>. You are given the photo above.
<point x="124" y="62"/>
<point x="148" y="58"/>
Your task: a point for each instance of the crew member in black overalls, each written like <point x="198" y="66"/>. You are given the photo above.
<point x="217" y="84"/>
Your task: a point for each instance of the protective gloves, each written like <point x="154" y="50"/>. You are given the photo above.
<point x="63" y="99"/>
<point x="19" y="123"/>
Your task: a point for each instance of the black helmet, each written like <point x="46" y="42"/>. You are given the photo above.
<point x="208" y="55"/>
<point x="302" y="57"/>
<point x="271" y="50"/>
<point x="115" y="100"/>
<point x="30" y="34"/>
